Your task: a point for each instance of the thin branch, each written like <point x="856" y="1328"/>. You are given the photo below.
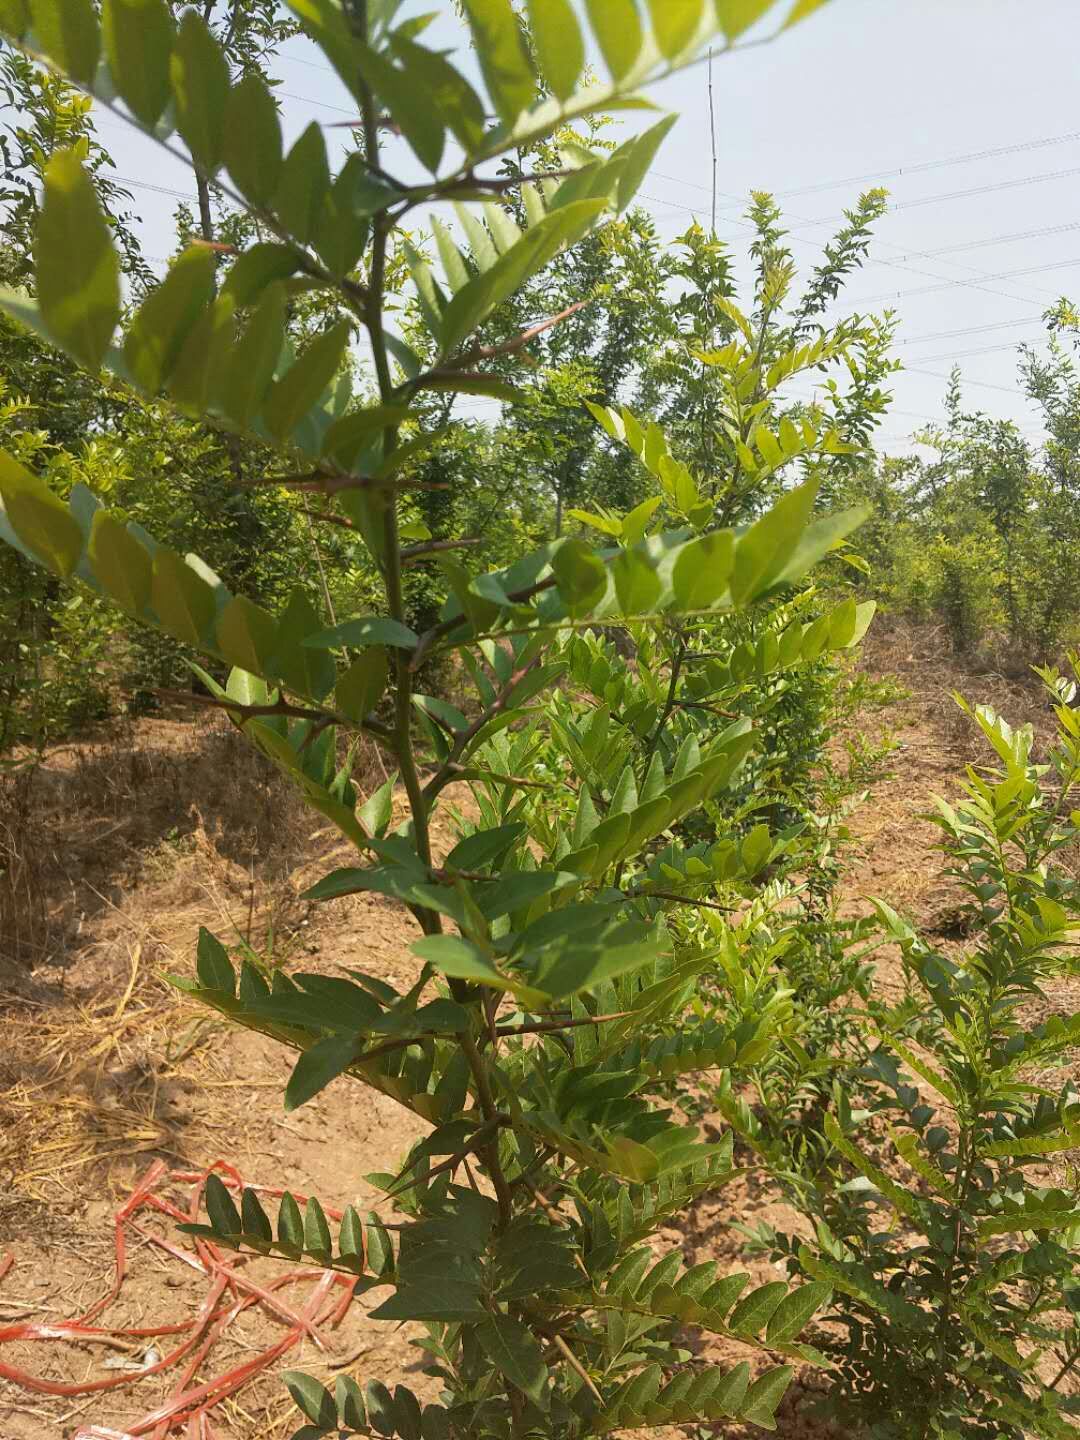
<point x="279" y="707"/>
<point x="678" y="899"/>
<point x="482" y="1081"/>
<point x="477" y="1141"/>
<point x="331" y="519"/>
<point x="447" y="627"/>
<point x="548" y="1027"/>
<point x="335" y="484"/>
<point x="507" y="347"/>
<point x="411" y="553"/>
<point x="464" y="737"/>
<point x="575" y="1364"/>
<point x="471" y="773"/>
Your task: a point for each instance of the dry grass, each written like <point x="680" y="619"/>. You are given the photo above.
<point x="146" y="803"/>
<point x="87" y="1085"/>
<point x="115" y="852"/>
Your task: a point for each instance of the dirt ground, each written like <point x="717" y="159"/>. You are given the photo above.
<point x="123" y="846"/>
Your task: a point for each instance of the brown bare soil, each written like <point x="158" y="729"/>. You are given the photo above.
<point x="117" y="851"/>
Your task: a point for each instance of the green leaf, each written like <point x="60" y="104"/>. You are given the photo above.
<point x="253" y="145"/>
<point x="194" y="381"/>
<point x="405" y="94"/>
<point x="67" y="32"/>
<point x="167" y="316"/>
<point x="222" y="1212"/>
<point x="1032" y="1217"/>
<point x="75" y="263"/>
<point x="138" y="41"/>
<point x="460" y="959"/>
<point x="578" y="965"/>
<point x="290" y="1228"/>
<point x="637" y="157"/>
<point x="512" y="1349"/>
<point x="324" y="1061"/>
<point x="617" y="26"/>
<point x="795" y="1310"/>
<point x="262" y="264"/>
<point x="316" y="1232"/>
<point x="352" y="1412"/>
<point x="14" y="18"/>
<point x="361" y="687"/>
<point x="304" y="185"/>
<point x="200" y="87"/>
<point x="254" y="358"/>
<point x="365" y="630"/>
<point x="120" y="563"/>
<point x="445" y="88"/>
<point x="351" y="1239"/>
<point x="503" y="57"/>
<point x="312" y="1398"/>
<point x="325" y="22"/>
<point x="348" y="437"/>
<point x="751" y="1313"/>
<point x="302" y="669"/>
<point x="702" y="571"/>
<point x="301" y="386"/>
<point x="183" y="601"/>
<point x="735" y="16"/>
<point x="802" y="10"/>
<point x="760" y="1401"/>
<point x="246" y="634"/>
<point x="582" y="577"/>
<point x="444" y="1301"/>
<point x="560" y="46"/>
<point x="637" y="585"/>
<point x="675" y="23"/>
<point x="214" y="968"/>
<point x="856" y="1280"/>
<point x="763" y="552"/>
<point x="39" y="520"/>
<point x="254" y="1218"/>
<point x="726" y="1397"/>
<point x="382" y="1409"/>
<point x="818" y="540"/>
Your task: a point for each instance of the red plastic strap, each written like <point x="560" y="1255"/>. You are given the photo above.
<point x="230" y="1293"/>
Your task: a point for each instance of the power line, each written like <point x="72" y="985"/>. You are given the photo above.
<point x="981" y="384"/>
<point x="942" y="282"/>
<point x="965" y="354"/>
<point x="951" y="284"/>
<point x="324" y="104"/>
<point x="968" y="194"/>
<point x="919" y="168"/>
<point x="982" y="243"/>
<point x="972" y="330"/>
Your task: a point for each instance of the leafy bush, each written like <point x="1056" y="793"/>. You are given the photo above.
<point x="635" y="898"/>
<point x="984" y="535"/>
<point x="537" y="1024"/>
<point x="944" y="1221"/>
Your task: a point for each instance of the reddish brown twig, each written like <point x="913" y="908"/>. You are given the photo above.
<point x="506" y="347"/>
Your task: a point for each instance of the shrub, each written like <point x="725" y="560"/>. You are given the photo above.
<point x="551" y="987"/>
<point x="944" y="1220"/>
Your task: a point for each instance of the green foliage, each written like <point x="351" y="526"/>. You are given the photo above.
<point x="559" y="992"/>
<point x="960" y="1307"/>
<point x="984" y="535"/>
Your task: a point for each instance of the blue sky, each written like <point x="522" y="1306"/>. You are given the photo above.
<point x="965" y="110"/>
